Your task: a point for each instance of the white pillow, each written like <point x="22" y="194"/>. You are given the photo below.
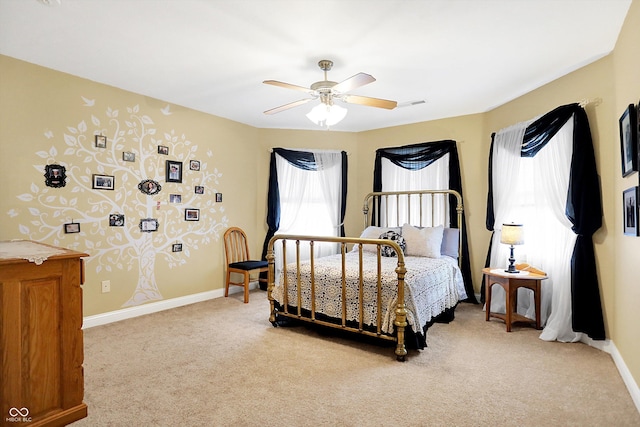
<point x="424" y="242"/>
<point x="373" y="232"/>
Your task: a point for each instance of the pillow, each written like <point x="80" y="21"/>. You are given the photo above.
<point x="388" y="251"/>
<point x="450" y="240"/>
<point x="424" y="242"/>
<point x="373" y="232"/>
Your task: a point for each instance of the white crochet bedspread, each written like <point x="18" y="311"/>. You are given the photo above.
<point x="431" y="286"/>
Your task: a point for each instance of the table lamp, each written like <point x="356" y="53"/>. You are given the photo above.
<point x="512" y="234"/>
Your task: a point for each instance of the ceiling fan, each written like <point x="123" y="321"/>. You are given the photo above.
<point x="328" y="91"/>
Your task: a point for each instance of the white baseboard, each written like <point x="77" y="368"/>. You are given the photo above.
<point x="609" y="347"/>
<point x="154" y="307"/>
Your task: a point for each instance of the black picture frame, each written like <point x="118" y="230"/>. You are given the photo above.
<point x="72" y="227"/>
<point x="100" y="141"/>
<point x="116" y="220"/>
<point x="176" y="247"/>
<point x="630" y="211"/>
<point x="218" y="197"/>
<point x="128" y="156"/>
<point x="55" y="176"/>
<point x="192" y="214"/>
<point x="194" y="165"/>
<point x="638" y="135"/>
<point x="149" y="186"/>
<point x="199" y="189"/>
<point x="163" y="149"/>
<point x="174" y="171"/>
<point x="149" y="225"/>
<point x="103" y="182"/>
<point x="629" y="140"/>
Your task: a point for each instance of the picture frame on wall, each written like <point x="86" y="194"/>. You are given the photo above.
<point x="116" y="220"/>
<point x="55" y="176"/>
<point x="176" y="247"/>
<point x="192" y="214"/>
<point x="101" y="141"/>
<point x="103" y="182"/>
<point x="72" y="227"/>
<point x="149" y="225"/>
<point x="149" y="186"/>
<point x="630" y="211"/>
<point x="174" y="171"/>
<point x="629" y="140"/>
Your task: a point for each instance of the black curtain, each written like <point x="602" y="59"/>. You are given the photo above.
<point x="419" y="156"/>
<point x="583" y="209"/>
<point x="303" y="160"/>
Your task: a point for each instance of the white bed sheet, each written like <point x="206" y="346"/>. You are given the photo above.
<point x="432" y="285"/>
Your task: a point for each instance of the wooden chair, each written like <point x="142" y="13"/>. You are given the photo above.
<point x="236" y="250"/>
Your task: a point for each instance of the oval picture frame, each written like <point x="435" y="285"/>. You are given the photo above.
<point x="149" y="186"/>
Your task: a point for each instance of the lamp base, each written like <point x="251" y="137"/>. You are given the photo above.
<point x="512" y="267"/>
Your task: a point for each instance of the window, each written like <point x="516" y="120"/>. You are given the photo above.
<point x="433" y="177"/>
<point x="307" y="193"/>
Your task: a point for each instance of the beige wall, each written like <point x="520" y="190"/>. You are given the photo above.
<point x="623" y="311"/>
<point x="39" y="106"/>
<point x="49" y="117"/>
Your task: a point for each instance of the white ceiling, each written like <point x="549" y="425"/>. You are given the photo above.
<point x="460" y="56"/>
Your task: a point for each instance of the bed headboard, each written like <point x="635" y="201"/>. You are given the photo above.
<point x="421" y="208"/>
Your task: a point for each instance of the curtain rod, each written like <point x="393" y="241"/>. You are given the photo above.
<point x="587" y="101"/>
<point x="270" y="150"/>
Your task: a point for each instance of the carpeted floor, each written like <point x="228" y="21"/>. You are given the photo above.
<point x="221" y="363"/>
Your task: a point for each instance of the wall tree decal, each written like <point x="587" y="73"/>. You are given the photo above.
<point x="122" y="247"/>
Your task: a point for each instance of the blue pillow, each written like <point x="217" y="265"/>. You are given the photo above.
<point x="450" y="242"/>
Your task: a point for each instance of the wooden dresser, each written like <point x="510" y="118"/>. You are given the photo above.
<point x="41" y="378"/>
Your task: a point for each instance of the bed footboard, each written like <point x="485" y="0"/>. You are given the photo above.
<point x="294" y="309"/>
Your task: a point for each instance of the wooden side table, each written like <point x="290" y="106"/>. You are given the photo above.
<point x="511" y="283"/>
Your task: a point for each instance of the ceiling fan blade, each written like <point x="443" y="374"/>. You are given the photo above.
<point x="371" y="102"/>
<point x="288" y="86"/>
<point x="287" y="106"/>
<point x="353" y="82"/>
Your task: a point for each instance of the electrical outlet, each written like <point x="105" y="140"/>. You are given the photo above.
<point x="106" y="286"/>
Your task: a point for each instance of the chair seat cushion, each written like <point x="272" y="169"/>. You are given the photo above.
<point x="249" y="265"/>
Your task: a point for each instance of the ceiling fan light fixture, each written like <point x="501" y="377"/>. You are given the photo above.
<point x="326" y="114"/>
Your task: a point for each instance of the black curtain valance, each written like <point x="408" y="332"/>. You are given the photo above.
<point x="419" y="156"/>
<point x="583" y="209"/>
<point x="300" y="159"/>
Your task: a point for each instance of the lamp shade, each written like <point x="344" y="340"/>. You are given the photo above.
<point x="512" y="234"/>
<point x="326" y="115"/>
